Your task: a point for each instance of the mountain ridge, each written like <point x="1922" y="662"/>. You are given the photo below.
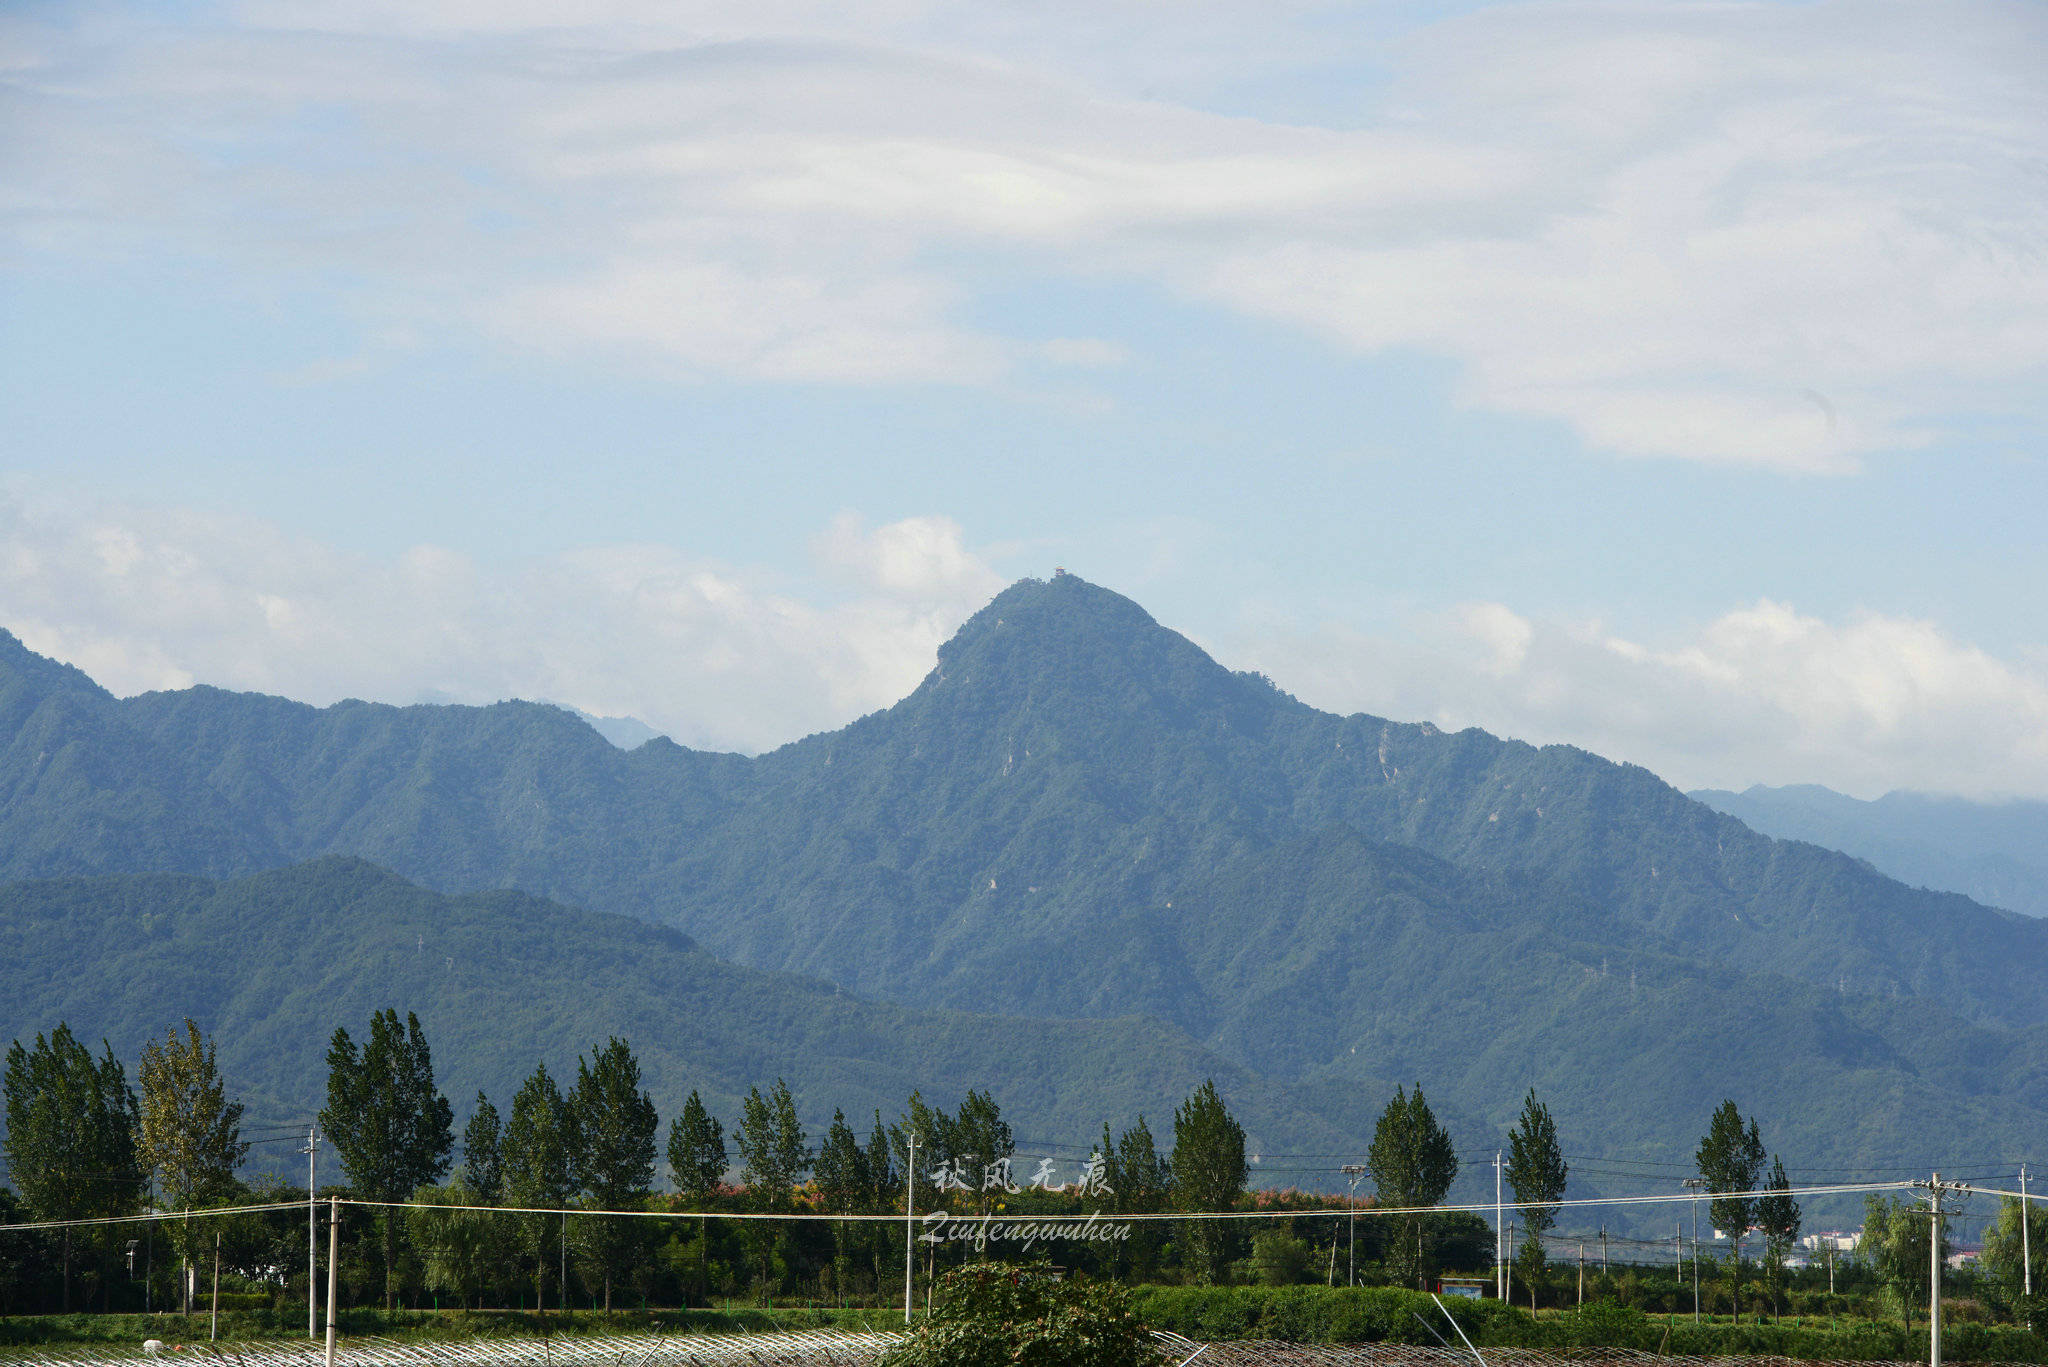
<point x="1080" y="814"/>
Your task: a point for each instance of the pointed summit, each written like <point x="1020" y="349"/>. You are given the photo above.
<point x="1077" y="648"/>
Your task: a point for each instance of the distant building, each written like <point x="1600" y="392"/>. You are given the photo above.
<point x="1840" y="1240"/>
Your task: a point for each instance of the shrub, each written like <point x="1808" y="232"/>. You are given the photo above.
<point x="997" y="1315"/>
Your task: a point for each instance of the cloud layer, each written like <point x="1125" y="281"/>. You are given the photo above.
<point x="1760" y="694"/>
<point x="723" y="656"/>
<point x="1786" y="235"/>
<point x="715" y="656"/>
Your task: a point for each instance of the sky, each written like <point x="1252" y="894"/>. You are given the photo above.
<point x="1667" y="379"/>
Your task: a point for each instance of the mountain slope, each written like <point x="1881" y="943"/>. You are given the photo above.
<point x="1632" y="1054"/>
<point x="1993" y="852"/>
<point x="1079" y="813"/>
<point x="274" y="962"/>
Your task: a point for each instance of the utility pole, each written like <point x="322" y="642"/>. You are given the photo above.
<point x="1935" y="1188"/>
<point x="333" y="1263"/>
<point x="2026" y="1244"/>
<point x="1582" y="1272"/>
<point x="1509" y="1283"/>
<point x="1353" y="1171"/>
<point x="909" y="1223"/>
<point x="1500" y="1248"/>
<point x="312" y="1237"/>
<point x="1603" y="1250"/>
<point x="213" y="1332"/>
<point x="1693" y="1185"/>
<point x="1934" y="1272"/>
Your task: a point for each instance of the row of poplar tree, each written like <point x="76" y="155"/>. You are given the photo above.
<point x="83" y="1145"/>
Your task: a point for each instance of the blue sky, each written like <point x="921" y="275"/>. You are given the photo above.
<point x="1666" y="379"/>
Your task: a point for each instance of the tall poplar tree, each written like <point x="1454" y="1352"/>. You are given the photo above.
<point x="772" y="1161"/>
<point x="1536" y="1172"/>
<point x="71" y="1126"/>
<point x="392" y="1128"/>
<point x="1208" y="1174"/>
<point x="614" y="1164"/>
<point x="537" y="1155"/>
<point x="1413" y="1164"/>
<point x="483" y="1168"/>
<point x="1777" y="1215"/>
<point x="696" y="1164"/>
<point x="1731" y="1159"/>
<point x="189" y="1133"/>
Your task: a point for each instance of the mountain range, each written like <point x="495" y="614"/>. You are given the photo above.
<point x="1081" y="835"/>
<point x="1994" y="852"/>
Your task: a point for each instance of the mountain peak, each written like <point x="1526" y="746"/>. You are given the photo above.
<point x="19" y="665"/>
<point x="1058" y="641"/>
<point x="1063" y="604"/>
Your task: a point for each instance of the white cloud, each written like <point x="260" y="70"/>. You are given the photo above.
<point x="713" y="655"/>
<point x="1786" y="235"/>
<point x="1760" y="694"/>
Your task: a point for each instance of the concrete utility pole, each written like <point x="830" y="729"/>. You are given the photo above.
<point x="1582" y="1272"/>
<point x="1935" y="1188"/>
<point x="1934" y="1273"/>
<point x="1500" y="1247"/>
<point x="2026" y="1244"/>
<point x="333" y="1263"/>
<point x="1510" y="1282"/>
<point x="909" y="1223"/>
<point x="312" y="1237"/>
<point x="1353" y="1171"/>
<point x="1693" y="1185"/>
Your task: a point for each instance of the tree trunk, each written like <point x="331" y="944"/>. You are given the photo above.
<point x="67" y="1270"/>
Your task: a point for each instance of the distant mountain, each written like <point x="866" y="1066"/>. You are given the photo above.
<point x="1994" y="852"/>
<point x="1631" y="1054"/>
<point x="501" y="981"/>
<point x="628" y="733"/>
<point x="1079" y="814"/>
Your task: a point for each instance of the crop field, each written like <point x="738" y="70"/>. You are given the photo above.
<point x="837" y="1348"/>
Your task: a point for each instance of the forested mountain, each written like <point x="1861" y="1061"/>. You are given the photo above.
<point x="1632" y="1054"/>
<point x="272" y="963"/>
<point x="1080" y="814"/>
<point x="1994" y="852"/>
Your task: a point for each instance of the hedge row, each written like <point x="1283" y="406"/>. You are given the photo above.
<point x="1317" y="1314"/>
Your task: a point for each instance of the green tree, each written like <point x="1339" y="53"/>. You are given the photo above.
<point x="538" y="1154"/>
<point x="1536" y="1173"/>
<point x="844" y="1187"/>
<point x="1279" y="1258"/>
<point x="1731" y="1160"/>
<point x="1894" y="1244"/>
<point x="384" y="1116"/>
<point x="772" y="1161"/>
<point x="2005" y="1254"/>
<point x="1142" y="1182"/>
<point x="457" y="1244"/>
<point x="1777" y="1215"/>
<point x="1000" y="1315"/>
<point x="696" y="1164"/>
<point x="615" y="1126"/>
<point x="1413" y="1164"/>
<point x="1208" y="1175"/>
<point x="189" y="1135"/>
<point x="980" y="1139"/>
<point x="483" y="1172"/>
<point x="71" y="1126"/>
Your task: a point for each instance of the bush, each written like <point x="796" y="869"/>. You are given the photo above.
<point x="998" y="1315"/>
